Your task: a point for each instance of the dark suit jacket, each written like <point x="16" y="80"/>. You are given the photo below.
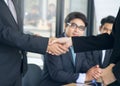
<point x="60" y="70"/>
<point x="12" y="41"/>
<point x="103" y="41"/>
<point x="97" y="54"/>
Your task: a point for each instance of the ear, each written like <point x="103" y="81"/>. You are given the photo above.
<point x="100" y="27"/>
<point x="65" y="26"/>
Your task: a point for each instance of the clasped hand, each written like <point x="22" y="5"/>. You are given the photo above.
<point x="58" y="46"/>
<point x="104" y="76"/>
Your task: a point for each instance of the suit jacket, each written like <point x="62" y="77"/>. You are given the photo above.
<point x="60" y="70"/>
<point x="12" y="41"/>
<point x="97" y="54"/>
<point x="106" y="58"/>
<point x="103" y="41"/>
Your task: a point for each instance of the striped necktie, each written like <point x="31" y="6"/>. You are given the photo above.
<point x="12" y="9"/>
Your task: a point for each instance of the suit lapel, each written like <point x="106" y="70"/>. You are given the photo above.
<point x="107" y="57"/>
<point x="10" y="17"/>
<point x="67" y="60"/>
<point x="71" y="58"/>
<point x="100" y="58"/>
<point x="69" y="55"/>
<point x="78" y="63"/>
<point x="6" y="12"/>
<point x="17" y="8"/>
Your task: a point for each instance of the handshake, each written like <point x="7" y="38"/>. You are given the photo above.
<point x="104" y="76"/>
<point x="58" y="46"/>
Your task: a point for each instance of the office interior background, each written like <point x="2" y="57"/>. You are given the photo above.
<point x="46" y="17"/>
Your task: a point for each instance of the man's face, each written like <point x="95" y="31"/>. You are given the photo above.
<point x="75" y="27"/>
<point x="106" y="28"/>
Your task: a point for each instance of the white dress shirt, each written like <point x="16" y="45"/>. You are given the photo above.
<point x="6" y="2"/>
<point x="103" y="55"/>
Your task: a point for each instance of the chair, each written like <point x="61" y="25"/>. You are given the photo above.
<point x="33" y="76"/>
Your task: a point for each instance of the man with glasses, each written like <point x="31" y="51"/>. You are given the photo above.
<point x="70" y="67"/>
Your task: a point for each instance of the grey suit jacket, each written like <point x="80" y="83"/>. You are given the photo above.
<point x="12" y="41"/>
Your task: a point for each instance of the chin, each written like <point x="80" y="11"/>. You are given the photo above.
<point x="75" y="35"/>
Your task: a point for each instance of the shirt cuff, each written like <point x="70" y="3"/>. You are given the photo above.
<point x="81" y="78"/>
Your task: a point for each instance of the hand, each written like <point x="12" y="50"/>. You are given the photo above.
<point x="107" y="75"/>
<point x="56" y="48"/>
<point x="93" y="73"/>
<point x="67" y="41"/>
<point x="52" y="39"/>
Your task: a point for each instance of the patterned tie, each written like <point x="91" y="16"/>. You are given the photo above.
<point x="12" y="9"/>
<point x="73" y="55"/>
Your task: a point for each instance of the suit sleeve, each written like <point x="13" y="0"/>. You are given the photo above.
<point x="15" y="38"/>
<point x="115" y="57"/>
<point x="116" y="71"/>
<point x="100" y="42"/>
<point x="57" y="72"/>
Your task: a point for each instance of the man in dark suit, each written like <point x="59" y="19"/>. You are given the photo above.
<point x="69" y="67"/>
<point x="104" y="55"/>
<point x="13" y="44"/>
<point x="103" y="41"/>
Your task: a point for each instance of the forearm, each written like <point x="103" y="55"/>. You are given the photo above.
<point x="14" y="38"/>
<point x="66" y="77"/>
<point x="99" y="42"/>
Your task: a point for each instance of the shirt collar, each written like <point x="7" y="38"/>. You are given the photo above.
<point x="6" y="2"/>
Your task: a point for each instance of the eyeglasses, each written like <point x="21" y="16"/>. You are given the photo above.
<point x="75" y="26"/>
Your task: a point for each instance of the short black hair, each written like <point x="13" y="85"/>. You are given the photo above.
<point x="108" y="19"/>
<point x="74" y="15"/>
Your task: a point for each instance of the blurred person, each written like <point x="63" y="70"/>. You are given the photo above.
<point x="104" y="55"/>
<point x="51" y="13"/>
<point x="107" y="24"/>
<point x="70" y="67"/>
<point x="33" y="17"/>
<point x="14" y="44"/>
<point x="111" y="74"/>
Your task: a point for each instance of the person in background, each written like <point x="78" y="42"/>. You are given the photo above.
<point x="104" y="55"/>
<point x="70" y="67"/>
<point x="51" y="13"/>
<point x="33" y="17"/>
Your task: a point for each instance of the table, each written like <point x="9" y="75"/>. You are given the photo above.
<point x="75" y="84"/>
<point x="88" y="84"/>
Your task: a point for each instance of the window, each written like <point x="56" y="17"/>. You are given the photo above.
<point x="39" y="19"/>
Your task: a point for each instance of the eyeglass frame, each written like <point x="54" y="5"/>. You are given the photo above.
<point x="81" y="28"/>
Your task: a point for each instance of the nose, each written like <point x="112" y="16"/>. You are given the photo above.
<point x="77" y="29"/>
<point x="108" y="32"/>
